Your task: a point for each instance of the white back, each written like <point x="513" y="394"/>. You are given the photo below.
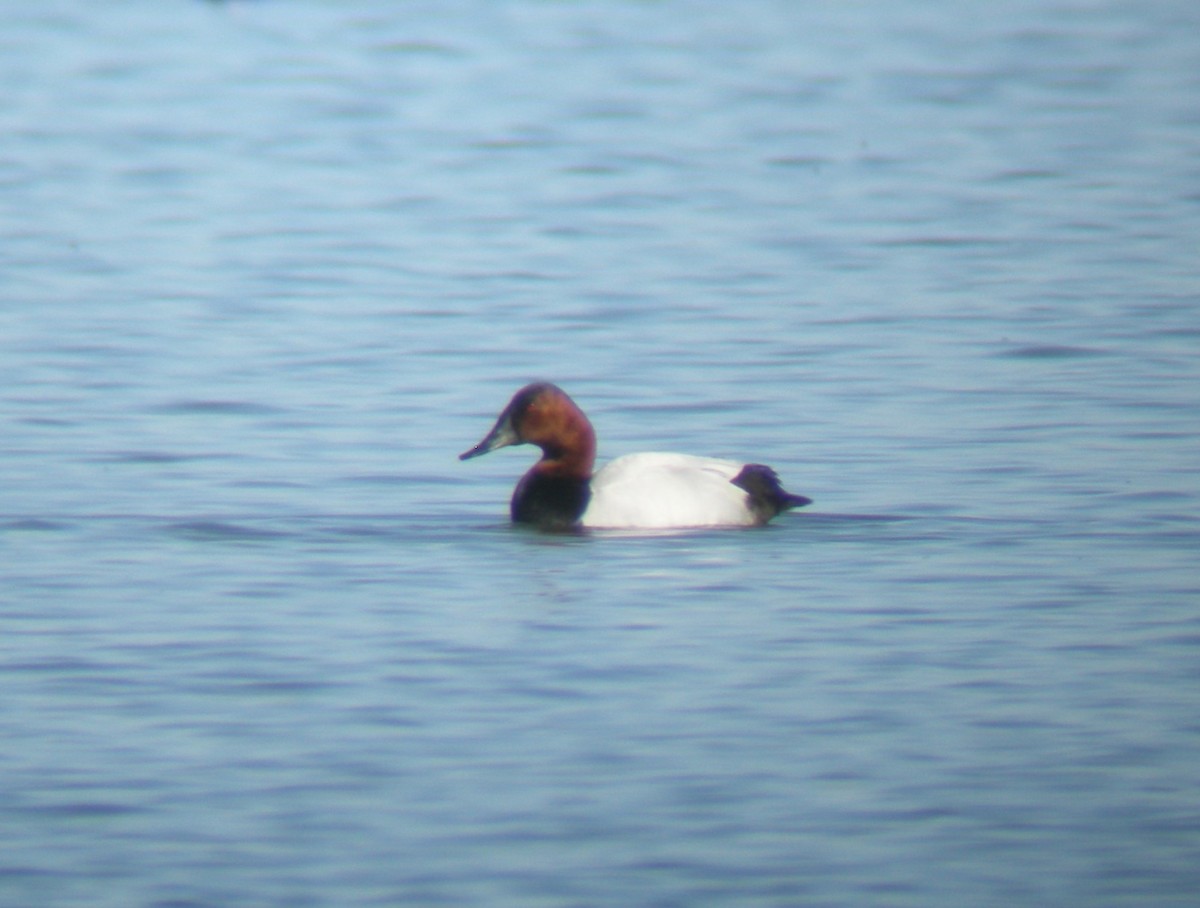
<point x="658" y="491"/>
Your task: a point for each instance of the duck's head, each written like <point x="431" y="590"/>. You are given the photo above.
<point x="542" y="414"/>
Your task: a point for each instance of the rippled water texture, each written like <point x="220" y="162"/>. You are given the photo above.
<point x="267" y="267"/>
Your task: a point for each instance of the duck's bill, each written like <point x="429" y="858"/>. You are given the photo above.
<point x="501" y="436"/>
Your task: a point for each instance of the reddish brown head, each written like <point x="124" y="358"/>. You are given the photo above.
<point x="542" y="414"/>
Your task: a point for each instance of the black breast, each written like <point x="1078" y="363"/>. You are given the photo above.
<point x="550" y="502"/>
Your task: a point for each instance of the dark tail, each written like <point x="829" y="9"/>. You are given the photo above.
<point x="767" y="497"/>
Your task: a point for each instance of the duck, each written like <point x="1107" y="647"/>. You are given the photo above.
<point x="649" y="491"/>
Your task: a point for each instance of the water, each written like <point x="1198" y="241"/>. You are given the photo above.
<point x="267" y="267"/>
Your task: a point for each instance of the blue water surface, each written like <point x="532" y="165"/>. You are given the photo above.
<point x="266" y="268"/>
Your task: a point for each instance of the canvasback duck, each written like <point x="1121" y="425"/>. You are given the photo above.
<point x="637" y="491"/>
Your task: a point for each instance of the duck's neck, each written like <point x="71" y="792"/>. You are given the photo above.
<point x="556" y="490"/>
<point x="572" y="453"/>
<point x="567" y="440"/>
